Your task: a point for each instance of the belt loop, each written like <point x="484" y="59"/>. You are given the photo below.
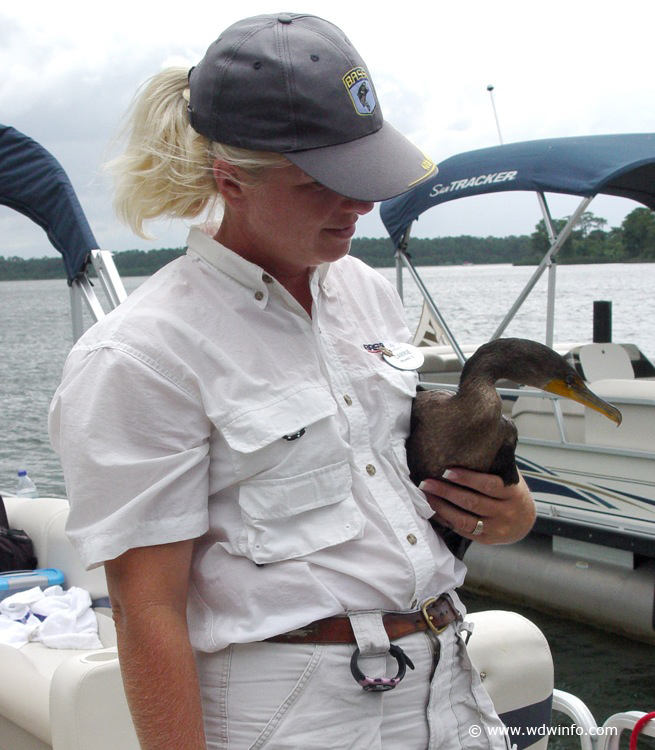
<point x="373" y="641"/>
<point x="371" y="637"/>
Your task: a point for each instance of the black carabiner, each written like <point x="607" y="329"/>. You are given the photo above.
<point x="380" y="684"/>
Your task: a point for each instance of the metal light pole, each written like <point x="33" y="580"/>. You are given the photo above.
<point x="548" y="262"/>
<point x="490" y="89"/>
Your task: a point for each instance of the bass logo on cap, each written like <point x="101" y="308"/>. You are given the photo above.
<point x="361" y="91"/>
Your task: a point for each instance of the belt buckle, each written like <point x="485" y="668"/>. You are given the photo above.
<point x="428" y="619"/>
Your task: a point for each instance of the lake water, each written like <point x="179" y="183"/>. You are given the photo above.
<point x="35" y="335"/>
<point x="609" y="673"/>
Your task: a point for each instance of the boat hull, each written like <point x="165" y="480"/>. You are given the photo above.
<point x="600" y="489"/>
<point x="572" y="582"/>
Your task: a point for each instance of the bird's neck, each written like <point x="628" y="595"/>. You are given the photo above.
<point x="479" y="392"/>
<point x="485" y="367"/>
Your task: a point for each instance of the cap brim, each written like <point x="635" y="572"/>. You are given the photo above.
<point x="376" y="167"/>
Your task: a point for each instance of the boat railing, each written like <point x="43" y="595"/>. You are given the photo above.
<point x="592" y="735"/>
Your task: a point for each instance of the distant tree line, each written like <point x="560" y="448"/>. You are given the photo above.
<point x="590" y="242"/>
<point x="447" y="251"/>
<point x="128" y="263"/>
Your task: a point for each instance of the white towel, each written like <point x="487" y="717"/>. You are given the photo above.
<point x="70" y="622"/>
<point x="17" y="606"/>
<point x="17" y="633"/>
<point x="57" y="618"/>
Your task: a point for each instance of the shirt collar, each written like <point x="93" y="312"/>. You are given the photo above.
<point x="201" y="242"/>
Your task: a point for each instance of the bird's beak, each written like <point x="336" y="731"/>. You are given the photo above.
<point x="578" y="391"/>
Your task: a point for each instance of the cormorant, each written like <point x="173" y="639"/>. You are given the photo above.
<point x="467" y="428"/>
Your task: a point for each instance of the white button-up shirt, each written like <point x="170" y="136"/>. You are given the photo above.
<point x="210" y="406"/>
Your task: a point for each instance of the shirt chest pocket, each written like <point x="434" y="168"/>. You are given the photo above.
<point x="399" y="390"/>
<point x="386" y="395"/>
<point x="295" y="487"/>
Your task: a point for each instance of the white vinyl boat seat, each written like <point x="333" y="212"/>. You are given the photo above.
<point x="514" y="661"/>
<point x="637" y="428"/>
<point x="62" y="699"/>
<point x="44" y="519"/>
<point x="605" y="361"/>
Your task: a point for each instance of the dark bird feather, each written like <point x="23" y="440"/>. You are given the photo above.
<point x="467" y="428"/>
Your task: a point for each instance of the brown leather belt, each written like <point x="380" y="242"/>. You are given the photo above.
<point x="435" y="615"/>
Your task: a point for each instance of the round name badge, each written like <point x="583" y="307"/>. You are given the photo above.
<point x="404" y="357"/>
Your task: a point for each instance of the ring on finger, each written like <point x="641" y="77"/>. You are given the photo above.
<point x="479" y="528"/>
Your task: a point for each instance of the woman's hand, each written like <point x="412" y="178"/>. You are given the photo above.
<point x="469" y="497"/>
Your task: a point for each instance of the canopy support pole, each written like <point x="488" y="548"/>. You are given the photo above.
<point x="399" y="277"/>
<point x="552" y="272"/>
<point x="76" y="311"/>
<point x="402" y="247"/>
<point x="545" y="263"/>
<point x="550" y="305"/>
<point x="81" y="289"/>
<point x="402" y="258"/>
<point x="104" y="266"/>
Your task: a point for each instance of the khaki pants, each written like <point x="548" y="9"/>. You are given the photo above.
<point x="303" y="697"/>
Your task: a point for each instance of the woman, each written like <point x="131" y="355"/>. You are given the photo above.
<point x="233" y="442"/>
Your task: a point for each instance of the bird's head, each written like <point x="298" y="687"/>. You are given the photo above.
<point x="572" y="386"/>
<point x="531" y="363"/>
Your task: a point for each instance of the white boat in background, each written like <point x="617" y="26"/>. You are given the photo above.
<point x="63" y="699"/>
<point x="594" y="484"/>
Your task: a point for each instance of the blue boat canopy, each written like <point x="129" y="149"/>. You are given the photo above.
<point x="34" y="183"/>
<point x="621" y="165"/>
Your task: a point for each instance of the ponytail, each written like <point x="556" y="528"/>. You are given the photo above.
<point x="166" y="169"/>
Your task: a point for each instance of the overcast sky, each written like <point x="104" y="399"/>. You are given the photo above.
<point x="560" y="68"/>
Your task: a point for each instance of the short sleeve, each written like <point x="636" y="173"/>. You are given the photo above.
<point x="134" y="450"/>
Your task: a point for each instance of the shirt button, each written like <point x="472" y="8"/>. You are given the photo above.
<point x="267" y="279"/>
<point x="411" y="539"/>
<point x="348" y="400"/>
<point x="370" y="469"/>
<point x="259" y="296"/>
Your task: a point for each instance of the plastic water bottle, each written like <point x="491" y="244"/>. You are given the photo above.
<point x="25" y="486"/>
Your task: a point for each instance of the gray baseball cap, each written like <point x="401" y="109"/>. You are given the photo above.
<point x="293" y="84"/>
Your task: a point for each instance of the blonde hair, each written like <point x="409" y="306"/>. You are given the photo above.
<point x="167" y="169"/>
